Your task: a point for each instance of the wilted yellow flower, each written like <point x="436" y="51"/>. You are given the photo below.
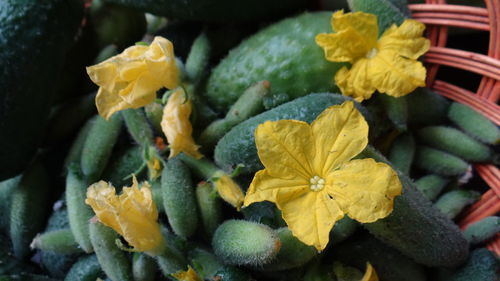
<point x="370" y="274"/>
<point x="132" y="214"/>
<point x="177" y="127"/>
<point x="189" y="275"/>
<point x="228" y="189"/>
<point x="131" y="79"/>
<point x="388" y="65"/>
<point x="310" y="176"/>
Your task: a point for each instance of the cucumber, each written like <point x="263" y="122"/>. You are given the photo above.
<point x="123" y="164"/>
<point x="87" y="268"/>
<point x="198" y="58"/>
<point x="238" y="145"/>
<point x="215" y="11"/>
<point x="482" y="265"/>
<point x="6" y="188"/>
<point x="138" y="126"/>
<point x="179" y="199"/>
<point x="210" y="206"/>
<point x="426" y="107"/>
<point x="34" y="45"/>
<point x="143" y="267"/>
<point x="482" y="230"/>
<point x="402" y="153"/>
<point x="316" y="271"/>
<point x="455" y="142"/>
<point x="285" y="54"/>
<point x="431" y="185"/>
<point x="75" y="151"/>
<point x="204" y="262"/>
<point x="453" y="202"/>
<point x="59" y="241"/>
<point x="28" y="209"/>
<point x="439" y="162"/>
<point x="343" y="229"/>
<point x="417" y="229"/>
<point x="26" y="277"/>
<point x="473" y="123"/>
<point x="396" y="110"/>
<point x="385" y="10"/>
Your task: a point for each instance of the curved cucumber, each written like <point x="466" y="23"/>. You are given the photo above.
<point x="473" y="123"/>
<point x="87" y="268"/>
<point x="402" y="153"/>
<point x="482" y="230"/>
<point x="439" y="162"/>
<point x="238" y="145"/>
<point x="453" y="202"/>
<point x="285" y="54"/>
<point x="482" y="265"/>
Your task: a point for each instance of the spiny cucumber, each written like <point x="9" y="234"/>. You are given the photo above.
<point x="418" y="230"/>
<point x="402" y="153"/>
<point x="87" y="268"/>
<point x="113" y="261"/>
<point x="482" y="265"/>
<point x="75" y="151"/>
<point x="242" y="242"/>
<point x="143" y="267"/>
<point x="473" y="123"/>
<point x="98" y="145"/>
<point x="396" y="110"/>
<point x="439" y="162"/>
<point x="285" y="54"/>
<point x="138" y="126"/>
<point x="210" y="206"/>
<point x="431" y="185"/>
<point x="482" y="230"/>
<point x="198" y="58"/>
<point x="426" y="107"/>
<point x="455" y="142"/>
<point x="453" y="202"/>
<point x="179" y="199"/>
<point x="59" y="241"/>
<point x="238" y="145"/>
<point x="79" y="213"/>
<point x="205" y="263"/>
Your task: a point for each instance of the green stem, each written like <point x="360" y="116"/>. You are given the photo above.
<point x="202" y="167"/>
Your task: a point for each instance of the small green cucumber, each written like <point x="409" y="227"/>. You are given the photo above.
<point x="343" y="229"/>
<point x="157" y="195"/>
<point x="114" y="262"/>
<point x="6" y="188"/>
<point x="482" y="230"/>
<point x="79" y="213"/>
<point x="75" y="151"/>
<point x="396" y="110"/>
<point x="439" y="162"/>
<point x="426" y="107"/>
<point x="144" y="267"/>
<point x="387" y="13"/>
<point x="431" y="185"/>
<point x="123" y="163"/>
<point x="179" y="199"/>
<point x="285" y="54"/>
<point x="87" y="268"/>
<point x="205" y="263"/>
<point x="402" y="152"/>
<point x="292" y="253"/>
<point x="138" y="126"/>
<point x="210" y="206"/>
<point x="453" y="202"/>
<point x="171" y="260"/>
<point x="264" y="212"/>
<point x="242" y="242"/>
<point x="198" y="58"/>
<point x="455" y="142"/>
<point x="59" y="241"/>
<point x="28" y="208"/>
<point x="418" y="230"/>
<point x="389" y="263"/>
<point x="98" y="146"/>
<point x="238" y="145"/>
<point x="482" y="265"/>
<point x="473" y="123"/>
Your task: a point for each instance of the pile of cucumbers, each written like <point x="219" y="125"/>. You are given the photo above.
<point x="244" y="63"/>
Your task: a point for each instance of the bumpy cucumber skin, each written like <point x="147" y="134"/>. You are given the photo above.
<point x="482" y="230"/>
<point x="387" y="13"/>
<point x="455" y="142"/>
<point x="453" y="202"/>
<point x="28" y="208"/>
<point x="144" y="267"/>
<point x="389" y="264"/>
<point x="417" y="229"/>
<point x="439" y="162"/>
<point x="482" y="265"/>
<point x="285" y="54"/>
<point x="34" y="38"/>
<point x="87" y="268"/>
<point x="215" y="11"/>
<point x="238" y="145"/>
<point x="431" y="185"/>
<point x="210" y="208"/>
<point x="402" y="153"/>
<point x="473" y="123"/>
<point x="138" y="126"/>
<point x="426" y="107"/>
<point x="205" y="263"/>
<point x="179" y="199"/>
<point x="396" y="110"/>
<point x="59" y="241"/>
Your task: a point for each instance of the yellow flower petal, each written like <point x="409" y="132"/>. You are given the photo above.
<point x="340" y="133"/>
<point x="228" y="189"/>
<point x="189" y="275"/>
<point x="395" y="75"/>
<point x="364" y="189"/>
<point x="310" y="217"/>
<point x="406" y="39"/>
<point x="285" y="148"/>
<point x="266" y="187"/>
<point x="131" y="79"/>
<point x="370" y="274"/>
<point x="177" y="127"/>
<point x="133" y="214"/>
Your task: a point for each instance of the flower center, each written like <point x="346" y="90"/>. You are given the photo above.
<point x="316" y="183"/>
<point x="373" y="52"/>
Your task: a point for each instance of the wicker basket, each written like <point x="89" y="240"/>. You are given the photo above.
<point x="438" y="16"/>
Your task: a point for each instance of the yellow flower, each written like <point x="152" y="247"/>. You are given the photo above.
<point x="370" y="274"/>
<point x="133" y="214"/>
<point x="310" y="176"/>
<point x="177" y="127"/>
<point x="131" y="79"/>
<point x="189" y="275"/>
<point x="228" y="190"/>
<point x="388" y="65"/>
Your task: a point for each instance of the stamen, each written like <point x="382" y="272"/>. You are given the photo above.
<point x="373" y="52"/>
<point x="316" y="183"/>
